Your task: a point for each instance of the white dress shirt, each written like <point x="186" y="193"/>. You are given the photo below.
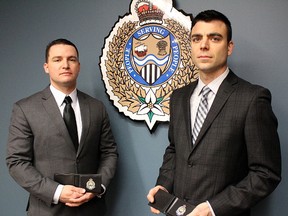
<point x="59" y="97"/>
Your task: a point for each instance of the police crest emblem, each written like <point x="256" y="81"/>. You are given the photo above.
<point x="181" y="210"/>
<point x="90" y="184"/>
<point x="145" y="57"/>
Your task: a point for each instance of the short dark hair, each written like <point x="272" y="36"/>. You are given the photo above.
<point x="210" y="15"/>
<point x="59" y="41"/>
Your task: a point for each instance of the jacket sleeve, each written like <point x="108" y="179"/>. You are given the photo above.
<point x="108" y="148"/>
<point x="20" y="158"/>
<point x="263" y="157"/>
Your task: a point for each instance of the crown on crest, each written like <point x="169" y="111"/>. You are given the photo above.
<point x="148" y="12"/>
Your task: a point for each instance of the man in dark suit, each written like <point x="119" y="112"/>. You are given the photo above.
<point x="40" y="146"/>
<point x="234" y="161"/>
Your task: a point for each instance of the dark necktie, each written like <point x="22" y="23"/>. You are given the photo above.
<point x="70" y="121"/>
<point x="201" y="113"/>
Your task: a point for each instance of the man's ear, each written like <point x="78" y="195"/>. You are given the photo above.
<point x="230" y="47"/>
<point x="45" y="66"/>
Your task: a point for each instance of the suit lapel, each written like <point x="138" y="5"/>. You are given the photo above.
<point x="52" y="109"/>
<point x="187" y="112"/>
<point x="224" y="92"/>
<point x="85" y="117"/>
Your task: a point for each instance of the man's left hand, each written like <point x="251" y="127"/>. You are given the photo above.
<point x="202" y="209"/>
<point x="80" y="200"/>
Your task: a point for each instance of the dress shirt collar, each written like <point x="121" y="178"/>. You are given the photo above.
<point x="60" y="96"/>
<point x="214" y="85"/>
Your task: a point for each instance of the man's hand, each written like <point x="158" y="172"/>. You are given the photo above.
<point x="202" y="209"/>
<point x="151" y="195"/>
<point x="74" y="196"/>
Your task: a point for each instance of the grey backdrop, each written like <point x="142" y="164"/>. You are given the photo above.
<point x="260" y="35"/>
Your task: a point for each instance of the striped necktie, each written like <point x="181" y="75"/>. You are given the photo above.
<point x="201" y="113"/>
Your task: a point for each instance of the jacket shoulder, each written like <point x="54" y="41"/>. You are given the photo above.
<point x="34" y="98"/>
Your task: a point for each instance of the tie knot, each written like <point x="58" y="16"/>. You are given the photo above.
<point x="205" y="91"/>
<point x="68" y="100"/>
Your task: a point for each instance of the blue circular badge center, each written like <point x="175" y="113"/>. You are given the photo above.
<point x="151" y="72"/>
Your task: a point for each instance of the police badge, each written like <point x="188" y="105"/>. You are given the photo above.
<point x="90" y="184"/>
<point x="145" y="57"/>
<point x="181" y="210"/>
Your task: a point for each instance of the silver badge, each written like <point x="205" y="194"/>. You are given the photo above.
<point x="181" y="210"/>
<point x="90" y="184"/>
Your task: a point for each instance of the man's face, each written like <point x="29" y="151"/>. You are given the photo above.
<point x="62" y="66"/>
<point x="210" y="48"/>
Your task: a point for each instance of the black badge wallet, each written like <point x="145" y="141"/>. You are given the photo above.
<point x="170" y="205"/>
<point x="90" y="182"/>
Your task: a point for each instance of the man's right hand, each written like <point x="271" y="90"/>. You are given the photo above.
<point x="70" y="193"/>
<point x="150" y="197"/>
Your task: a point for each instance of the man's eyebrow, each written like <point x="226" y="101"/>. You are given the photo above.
<point x="215" y="34"/>
<point x="196" y="35"/>
<point x="72" y="56"/>
<point x="54" y="57"/>
<point x="209" y="35"/>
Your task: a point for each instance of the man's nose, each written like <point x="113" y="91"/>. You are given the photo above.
<point x="204" y="43"/>
<point x="65" y="64"/>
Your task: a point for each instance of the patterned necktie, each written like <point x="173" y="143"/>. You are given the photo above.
<point x="201" y="113"/>
<point x="70" y="121"/>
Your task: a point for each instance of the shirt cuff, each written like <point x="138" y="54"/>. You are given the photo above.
<point x="57" y="194"/>
<point x="102" y="192"/>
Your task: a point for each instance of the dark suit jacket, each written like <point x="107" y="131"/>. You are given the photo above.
<point x="39" y="146"/>
<point x="236" y="159"/>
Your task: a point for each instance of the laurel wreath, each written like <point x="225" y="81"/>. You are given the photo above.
<point x="131" y="94"/>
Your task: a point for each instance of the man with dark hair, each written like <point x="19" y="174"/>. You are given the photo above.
<point x="224" y="151"/>
<point x="60" y="142"/>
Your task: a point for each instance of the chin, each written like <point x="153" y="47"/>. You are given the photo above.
<point x="205" y="69"/>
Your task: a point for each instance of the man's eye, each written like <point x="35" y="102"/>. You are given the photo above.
<point x="216" y="39"/>
<point x="195" y="40"/>
<point x="73" y="59"/>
